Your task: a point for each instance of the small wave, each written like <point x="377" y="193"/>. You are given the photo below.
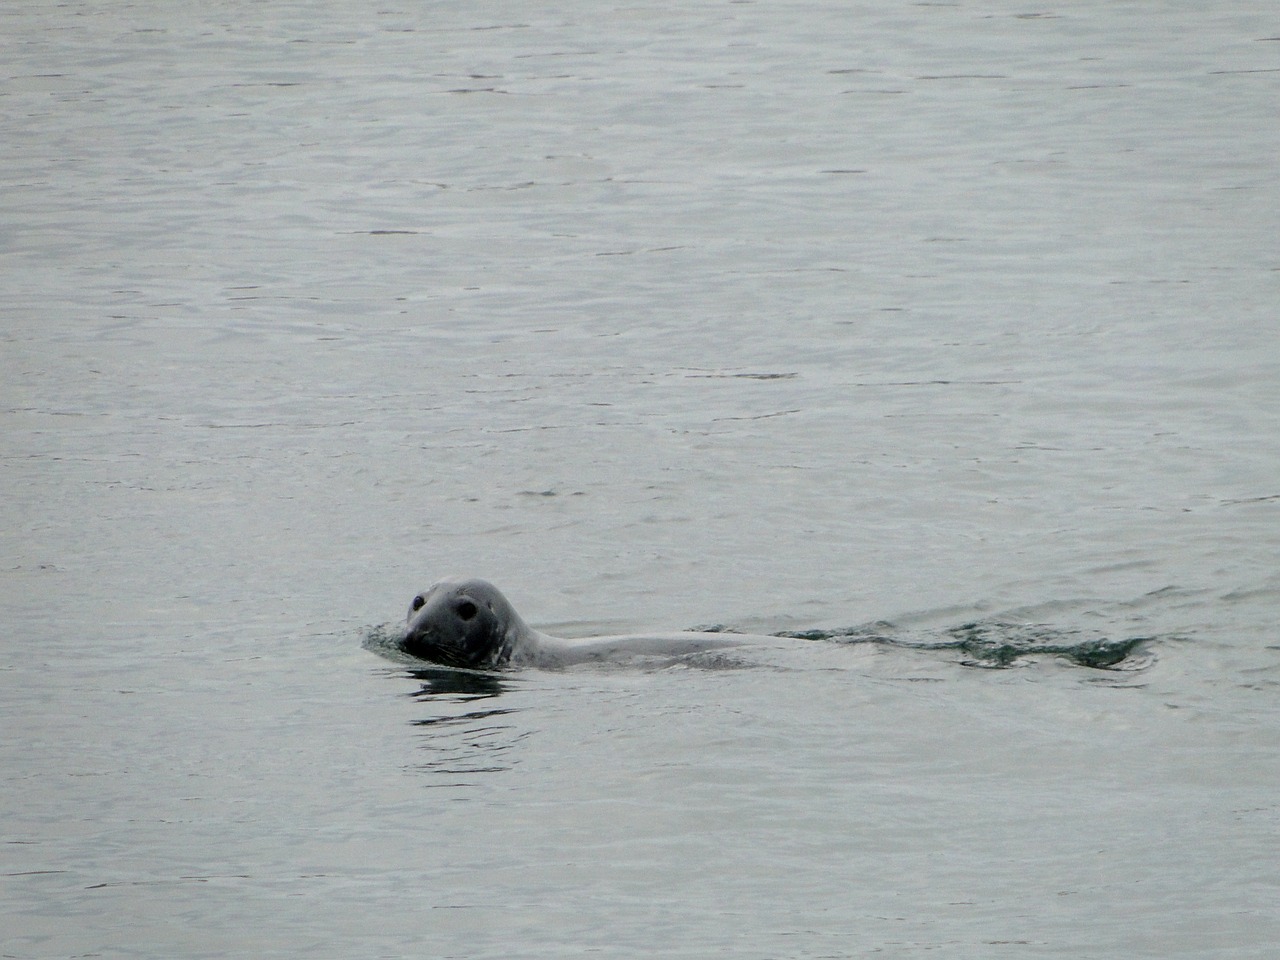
<point x="998" y="643"/>
<point x="384" y="640"/>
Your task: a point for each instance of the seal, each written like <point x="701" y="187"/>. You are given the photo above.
<point x="463" y="622"/>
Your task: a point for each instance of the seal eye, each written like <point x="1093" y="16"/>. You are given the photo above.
<point x="418" y="601"/>
<point x="466" y="610"/>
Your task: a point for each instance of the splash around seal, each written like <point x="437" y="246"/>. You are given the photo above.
<point x="467" y="622"/>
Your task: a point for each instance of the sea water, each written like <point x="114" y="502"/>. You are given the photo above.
<point x="940" y="338"/>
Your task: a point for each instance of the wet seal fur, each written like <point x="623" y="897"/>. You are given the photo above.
<point x="468" y="623"/>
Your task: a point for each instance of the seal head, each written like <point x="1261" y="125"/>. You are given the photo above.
<point x="464" y="623"/>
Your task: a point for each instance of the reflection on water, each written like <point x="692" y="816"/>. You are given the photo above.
<point x="447" y="681"/>
<point x="461" y="734"/>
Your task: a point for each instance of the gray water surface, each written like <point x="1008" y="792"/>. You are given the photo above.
<point x="940" y="337"/>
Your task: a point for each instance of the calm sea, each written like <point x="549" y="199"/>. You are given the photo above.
<point x="944" y="337"/>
